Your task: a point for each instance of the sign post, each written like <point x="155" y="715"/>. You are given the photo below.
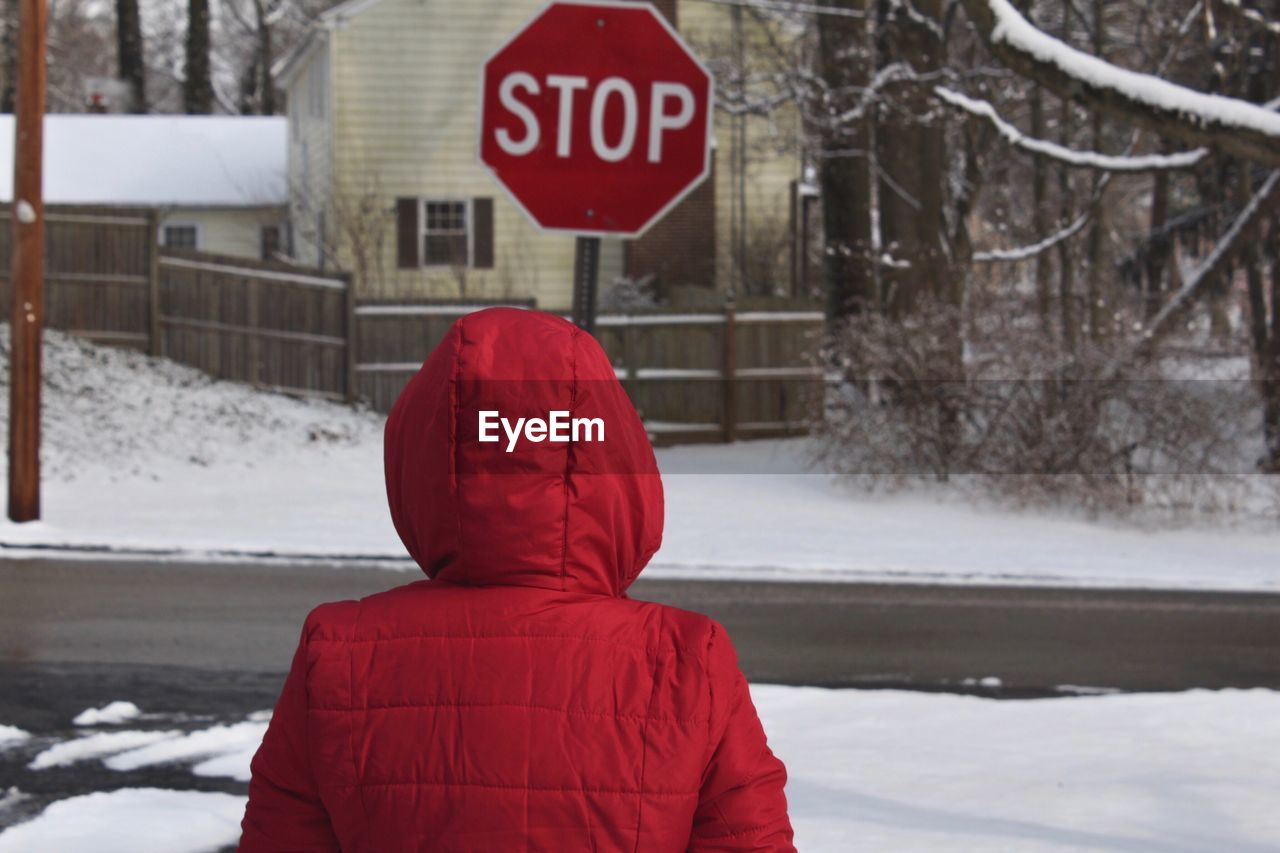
<point x="596" y="120"/>
<point x="586" y="278"/>
<point x="26" y="317"/>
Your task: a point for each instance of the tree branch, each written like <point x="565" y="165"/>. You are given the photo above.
<point x="1229" y="125"/>
<point x="1069" y="156"/>
<point x="1266" y="199"/>
<point x="1253" y="15"/>
<point x="1023" y="253"/>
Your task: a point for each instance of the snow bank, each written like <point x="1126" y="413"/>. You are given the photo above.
<point x="131" y="820"/>
<point x="877" y="770"/>
<point x="112" y="714"/>
<point x="96" y="746"/>
<point x="925" y="772"/>
<point x="220" y="750"/>
<point x="773" y="523"/>
<point x="11" y="736"/>
<point x="121" y="414"/>
<point x="145" y="456"/>
<point x="237" y="740"/>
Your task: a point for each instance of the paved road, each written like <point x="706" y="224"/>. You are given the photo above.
<point x="195" y="645"/>
<point x="245" y="619"/>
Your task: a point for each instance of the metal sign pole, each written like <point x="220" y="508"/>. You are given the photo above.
<point x="26" y="318"/>
<point x="586" y="272"/>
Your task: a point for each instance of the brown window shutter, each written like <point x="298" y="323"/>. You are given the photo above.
<point x="407" y="230"/>
<point x="482" y="240"/>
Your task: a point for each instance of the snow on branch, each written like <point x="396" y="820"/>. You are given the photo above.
<point x="1266" y="199"/>
<point x="1070" y="156"/>
<point x="918" y="18"/>
<point x="1236" y="127"/>
<point x="1252" y="15"/>
<point x="1023" y="253"/>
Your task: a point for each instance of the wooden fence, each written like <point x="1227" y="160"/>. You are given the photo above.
<point x="98" y="271"/>
<point x="249" y="321"/>
<point x="711" y="375"/>
<point x="706" y="376"/>
<point x="108" y="280"/>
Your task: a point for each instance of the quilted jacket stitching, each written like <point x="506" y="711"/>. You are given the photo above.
<point x="542" y="789"/>
<point x="747" y="830"/>
<point x="644" y="737"/>
<point x="568" y="462"/>
<point x="658" y="650"/>
<point x="351" y="723"/>
<point x="582" y="712"/>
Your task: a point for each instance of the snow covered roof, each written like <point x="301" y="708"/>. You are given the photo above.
<point x="158" y="160"/>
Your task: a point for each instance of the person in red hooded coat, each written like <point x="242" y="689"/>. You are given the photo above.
<point x="518" y="699"/>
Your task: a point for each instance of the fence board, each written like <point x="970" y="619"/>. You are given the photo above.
<point x="97" y="271"/>
<point x="298" y="331"/>
<point x="256" y="322"/>
<point x="672" y="364"/>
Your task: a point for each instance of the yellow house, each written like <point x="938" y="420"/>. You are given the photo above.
<point x="384" y="180"/>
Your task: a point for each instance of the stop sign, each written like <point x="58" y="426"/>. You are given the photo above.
<point x="596" y="118"/>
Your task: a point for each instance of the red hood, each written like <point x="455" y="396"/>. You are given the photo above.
<point x="581" y="516"/>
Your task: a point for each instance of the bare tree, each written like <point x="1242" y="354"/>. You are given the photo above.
<point x="131" y="66"/>
<point x="197" y="89"/>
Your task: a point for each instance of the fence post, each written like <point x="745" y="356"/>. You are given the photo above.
<point x="255" y="324"/>
<point x="351" y="335"/>
<point x="629" y="383"/>
<point x="155" y="346"/>
<point x="729" y="370"/>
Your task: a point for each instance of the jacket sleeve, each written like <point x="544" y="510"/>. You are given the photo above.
<point x="284" y="810"/>
<point x="741" y="804"/>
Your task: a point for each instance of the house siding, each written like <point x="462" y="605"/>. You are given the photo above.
<point x="227" y="231"/>
<point x="405" y="78"/>
<point x="422" y="140"/>
<point x="310" y="111"/>
<point x="772" y="158"/>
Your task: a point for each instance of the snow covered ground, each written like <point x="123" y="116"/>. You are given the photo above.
<point x="878" y="770"/>
<point x="146" y="456"/>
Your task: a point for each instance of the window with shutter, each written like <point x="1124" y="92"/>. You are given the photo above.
<point x="444" y="232"/>
<point x="446" y="239"/>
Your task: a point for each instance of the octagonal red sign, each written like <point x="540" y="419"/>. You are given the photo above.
<point x="596" y="117"/>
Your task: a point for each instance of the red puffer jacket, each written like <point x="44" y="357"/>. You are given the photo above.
<point x="518" y="700"/>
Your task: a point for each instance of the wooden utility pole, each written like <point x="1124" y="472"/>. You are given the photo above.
<point x="26" y="317"/>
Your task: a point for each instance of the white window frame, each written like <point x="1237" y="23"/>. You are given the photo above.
<point x="178" y="223"/>
<point x="468" y="222"/>
<point x="282" y="247"/>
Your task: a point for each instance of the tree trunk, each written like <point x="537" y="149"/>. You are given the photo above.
<point x="1040" y="214"/>
<point x="1096" y="309"/>
<point x="197" y="88"/>
<point x="1270" y="359"/>
<point x="130" y="66"/>
<point x="844" y="173"/>
<point x="1158" y="247"/>
<point x="911" y="149"/>
<point x="267" y="103"/>
<point x="9" y="62"/>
